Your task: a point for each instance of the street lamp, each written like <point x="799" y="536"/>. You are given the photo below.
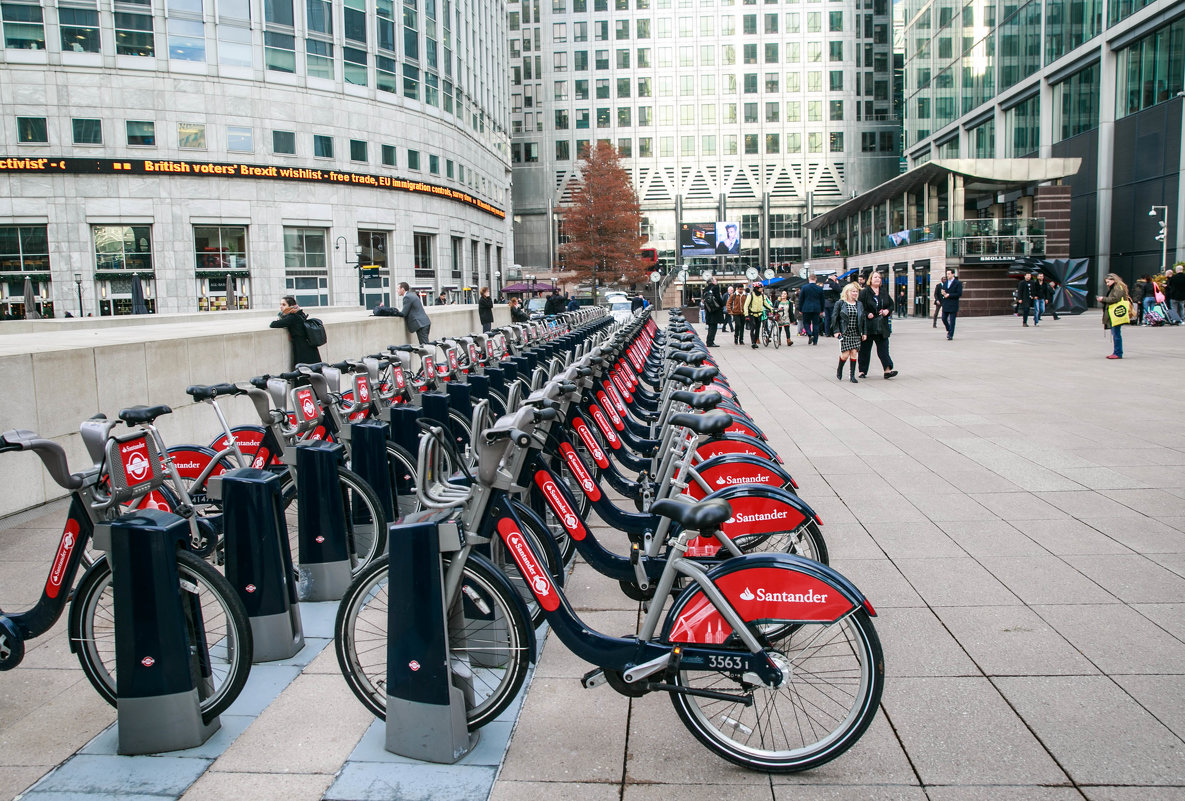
<point x="78" y="283"/>
<point x="356" y="263"/>
<point x="1162" y="236"/>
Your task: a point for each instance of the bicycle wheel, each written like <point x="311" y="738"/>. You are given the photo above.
<point x="834" y="676"/>
<point x="765" y="326"/>
<point x="806" y="540"/>
<point x="487" y="635"/>
<point x="220" y="661"/>
<point x="366" y="524"/>
<point x="777" y="337"/>
<point x="402" y="466"/>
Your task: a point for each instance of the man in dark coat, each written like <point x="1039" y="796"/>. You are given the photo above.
<point x="554" y="305"/>
<point x="485" y="309"/>
<point x="810" y="303"/>
<point x="830" y="298"/>
<point x="292" y="318"/>
<point x="411" y="309"/>
<point x="1024" y="298"/>
<point x="573" y="304"/>
<point x="952" y="290"/>
<point x="1176" y="290"/>
<point x="713" y="309"/>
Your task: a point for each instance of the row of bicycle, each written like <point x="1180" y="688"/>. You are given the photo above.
<point x="770" y="657"/>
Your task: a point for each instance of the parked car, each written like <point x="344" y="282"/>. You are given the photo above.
<point x="620" y="309"/>
<point x="535" y="307"/>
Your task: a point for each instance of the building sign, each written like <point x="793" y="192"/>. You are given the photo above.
<point x="209" y="169"/>
<point x="990" y="259"/>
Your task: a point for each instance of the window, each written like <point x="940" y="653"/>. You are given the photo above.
<point x="623" y="117"/>
<point x="563" y="150"/>
<point x="220" y="248"/>
<point x="239" y="139"/>
<point x="581" y="90"/>
<point x="621" y="29"/>
<point x="31" y="130"/>
<point x="836" y="111"/>
<point x="771" y="23"/>
<point x="23" y="26"/>
<point x="625" y="148"/>
<point x="561" y="119"/>
<point x="141" y="133"/>
<point x="559" y="32"/>
<point x="123" y="247"/>
<point x="187" y="41"/>
<point x="87" y="131"/>
<point x="24" y="248"/>
<point x="319" y="59"/>
<point x="191" y="136"/>
<point x="1076" y="103"/>
<point x="1023" y="123"/>
<point x="284" y="143"/>
<point x="354" y="66"/>
<point x="623" y="59"/>
<point x="602" y="88"/>
<point x="413" y="159"/>
<point x="388" y="155"/>
<point x="772" y="143"/>
<point x="836" y="80"/>
<point x="836" y="51"/>
<point x="835" y="22"/>
<point x="434" y="164"/>
<point x="602" y="59"/>
<point x="322" y="146"/>
<point x="837" y="143"/>
<point x="133" y="34"/>
<point x="784" y="226"/>
<point x="306" y="273"/>
<point x="645" y="147"/>
<point x="1151" y="70"/>
<point x="686" y="145"/>
<point x="623" y="87"/>
<point x="752" y="141"/>
<point x="580" y="61"/>
<point x="728" y="145"/>
<point x="422" y="246"/>
<point x="868" y="142"/>
<point x="358" y="150"/>
<point x="579" y="31"/>
<point x="79" y="29"/>
<point x="279" y="51"/>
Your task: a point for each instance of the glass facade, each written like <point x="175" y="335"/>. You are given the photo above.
<point x="1076" y="103"/>
<point x="1151" y="69"/>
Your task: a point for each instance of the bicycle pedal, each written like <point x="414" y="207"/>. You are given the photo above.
<point x="594" y="678"/>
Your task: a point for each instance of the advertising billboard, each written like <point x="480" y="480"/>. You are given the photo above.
<point x="709" y="239"/>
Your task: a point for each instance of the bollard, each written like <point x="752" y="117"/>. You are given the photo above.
<point x="322" y="536"/>
<point x="368" y="458"/>
<point x="259" y="561"/>
<point x="158" y="704"/>
<point x="404" y="430"/>
<point x="426" y="709"/>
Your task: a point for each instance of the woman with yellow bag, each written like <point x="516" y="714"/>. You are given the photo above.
<point x="1117" y="311"/>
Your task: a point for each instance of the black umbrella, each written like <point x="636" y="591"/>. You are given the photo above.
<point x="138" y="304"/>
<point x="30" y="301"/>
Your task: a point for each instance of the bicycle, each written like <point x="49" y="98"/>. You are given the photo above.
<point x="781" y="679"/>
<point x="125" y="465"/>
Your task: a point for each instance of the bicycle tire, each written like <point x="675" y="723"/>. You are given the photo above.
<point x="765" y="333"/>
<point x="365" y="520"/>
<point x="225" y="656"/>
<point x="834" y="680"/>
<point x="360" y="640"/>
<point x="806" y="540"/>
<point x="777" y="337"/>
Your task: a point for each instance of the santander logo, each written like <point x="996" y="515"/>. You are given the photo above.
<point x="529" y="566"/>
<point x="399" y="380"/>
<point x="728" y="481"/>
<point x="134" y="455"/>
<point x="364" y="391"/>
<point x="808" y="597"/>
<point x="58" y="573"/>
<point x="740" y="517"/>
<point x="559" y="505"/>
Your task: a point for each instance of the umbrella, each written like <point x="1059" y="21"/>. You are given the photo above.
<point x="138" y="304"/>
<point x="30" y="303"/>
<point x="230" y="291"/>
<point x="787" y="282"/>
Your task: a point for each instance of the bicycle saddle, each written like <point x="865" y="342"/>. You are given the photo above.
<point x="200" y="392"/>
<point x="699" y="375"/>
<point x="704" y="401"/>
<point x="695" y="357"/>
<point x="711" y="423"/>
<point x="135" y="415"/>
<point x="695" y="516"/>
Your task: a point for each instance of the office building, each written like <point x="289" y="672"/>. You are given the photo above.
<point x="200" y="153"/>
<point x="759" y="112"/>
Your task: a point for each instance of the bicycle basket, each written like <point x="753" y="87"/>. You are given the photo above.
<point x="133" y="465"/>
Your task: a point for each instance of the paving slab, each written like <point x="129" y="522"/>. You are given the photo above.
<point x="1012" y="641"/>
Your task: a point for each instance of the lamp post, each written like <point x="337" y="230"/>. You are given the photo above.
<point x="78" y="283"/>
<point x="1162" y="237"/>
<point x="356" y="263"/>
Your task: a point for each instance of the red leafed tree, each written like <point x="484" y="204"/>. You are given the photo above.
<point x="601" y="222"/>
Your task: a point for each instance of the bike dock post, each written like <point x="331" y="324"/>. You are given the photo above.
<point x="368" y="458"/>
<point x="436" y="405"/>
<point x="157" y="673"/>
<point x="479" y="387"/>
<point x="427" y="695"/>
<point x="461" y="399"/>
<point x="404" y="429"/>
<point x="324" y="546"/>
<point x="259" y="562"/>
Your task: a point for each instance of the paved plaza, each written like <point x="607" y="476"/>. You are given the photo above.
<point x="1012" y="504"/>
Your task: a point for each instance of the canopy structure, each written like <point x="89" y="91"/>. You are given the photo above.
<point x="524" y="286"/>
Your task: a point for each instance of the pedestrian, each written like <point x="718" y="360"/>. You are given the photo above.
<point x="810" y="306"/>
<point x="714" y="303"/>
<point x="849" y="327"/>
<point x="1039" y="291"/>
<point x="736" y="308"/>
<point x="572" y="304"/>
<point x="485" y="309"/>
<point x="554" y="305"/>
<point x="442" y="298"/>
<point x="292" y="318"/>
<point x="1024" y="297"/>
<point x="952" y="290"/>
<point x="728" y="316"/>
<point x="755" y="308"/>
<point x="411" y="309"/>
<point x="1176" y="290"/>
<point x="937" y="302"/>
<point x="517" y="313"/>
<point x="786" y="316"/>
<point x="1139" y="291"/>
<point x="876" y="304"/>
<point x="1116" y="292"/>
<point x="830" y="297"/>
<point x="1050" y="297"/>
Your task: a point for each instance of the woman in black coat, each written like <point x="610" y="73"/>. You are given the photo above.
<point x="876" y="304"/>
<point x="485" y="309"/>
<point x="292" y="317"/>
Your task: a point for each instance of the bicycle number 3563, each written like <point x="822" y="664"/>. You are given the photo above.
<point x="725" y="662"/>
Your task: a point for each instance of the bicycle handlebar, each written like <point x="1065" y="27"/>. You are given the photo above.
<point x="52" y="455"/>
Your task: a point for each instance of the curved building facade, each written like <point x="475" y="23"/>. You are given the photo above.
<point x="206" y="154"/>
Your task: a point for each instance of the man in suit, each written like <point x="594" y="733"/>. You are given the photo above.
<point x="952" y="290"/>
<point x="810" y="303"/>
<point x="830" y="298"/>
<point x="411" y="309"/>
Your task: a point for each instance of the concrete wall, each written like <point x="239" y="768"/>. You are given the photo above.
<point x="52" y="379"/>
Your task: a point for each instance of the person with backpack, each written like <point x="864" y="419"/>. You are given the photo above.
<point x="735" y="308"/>
<point x="299" y="326"/>
<point x="756" y="307"/>
<point x="713" y="309"/>
<point x="411" y="309"/>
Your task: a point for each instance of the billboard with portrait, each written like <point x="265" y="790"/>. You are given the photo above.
<point x="709" y="239"/>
